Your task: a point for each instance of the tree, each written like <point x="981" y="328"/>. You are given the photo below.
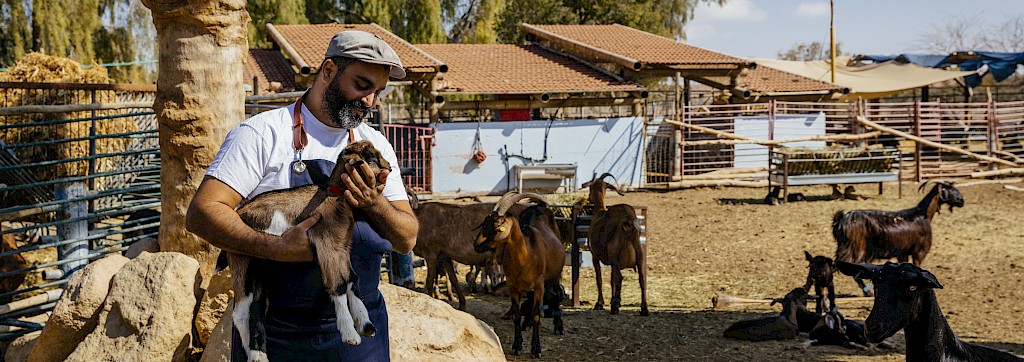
<point x="262" y="12"/>
<point x="810" y="51"/>
<point x="15" y="34"/>
<point x="949" y="36"/>
<point x="202" y="43"/>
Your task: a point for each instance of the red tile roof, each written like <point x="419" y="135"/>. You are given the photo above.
<point x="519" y="69"/>
<point x="310" y="42"/>
<point x="267" y="66"/>
<point x="640" y="45"/>
<point x="765" y="79"/>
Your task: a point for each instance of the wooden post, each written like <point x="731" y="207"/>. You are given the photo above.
<point x="71" y="230"/>
<point x="575" y="257"/>
<point x="917" y="145"/>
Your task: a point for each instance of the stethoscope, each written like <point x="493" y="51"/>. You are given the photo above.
<point x="299" y="139"/>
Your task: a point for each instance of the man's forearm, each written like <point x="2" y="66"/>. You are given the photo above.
<point x="221" y="226"/>
<point x="397" y="226"/>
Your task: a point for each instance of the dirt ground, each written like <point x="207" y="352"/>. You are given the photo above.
<point x="705" y="241"/>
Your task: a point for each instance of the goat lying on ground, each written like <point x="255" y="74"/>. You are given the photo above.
<point x="446" y="234"/>
<point x="276" y="211"/>
<point x="819" y="274"/>
<point x="864" y="235"/>
<point x="773" y="196"/>
<point x="780" y="327"/>
<point x="533" y="258"/>
<point x="835" y="329"/>
<point x="905" y="299"/>
<point x="614" y="237"/>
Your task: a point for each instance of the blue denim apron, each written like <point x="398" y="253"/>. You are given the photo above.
<point x="300" y="321"/>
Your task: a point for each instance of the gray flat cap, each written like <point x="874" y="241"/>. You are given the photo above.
<point x="367" y="47"/>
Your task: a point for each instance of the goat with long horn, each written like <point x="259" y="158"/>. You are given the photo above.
<point x="614" y="238"/>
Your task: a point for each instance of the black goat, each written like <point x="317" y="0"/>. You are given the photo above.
<point x="835" y="329"/>
<point x="864" y="235"/>
<point x="905" y="299"/>
<point x="780" y="327"/>
<point x="819" y="274"/>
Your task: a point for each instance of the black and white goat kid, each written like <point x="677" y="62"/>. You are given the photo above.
<point x="275" y="212"/>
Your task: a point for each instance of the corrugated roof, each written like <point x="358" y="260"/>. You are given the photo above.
<point x="640" y="45"/>
<point x="310" y="42"/>
<point x="267" y="66"/>
<point x="518" y="69"/>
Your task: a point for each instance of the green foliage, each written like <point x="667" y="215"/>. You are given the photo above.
<point x="118" y="46"/>
<point x="15" y="38"/>
<point x="262" y="12"/>
<point x="811" y="51"/>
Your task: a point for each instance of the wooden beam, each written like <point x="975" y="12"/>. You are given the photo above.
<point x="827" y="138"/>
<point x="863" y="120"/>
<point x="527" y="104"/>
<point x="710" y="131"/>
<point x="1004" y="172"/>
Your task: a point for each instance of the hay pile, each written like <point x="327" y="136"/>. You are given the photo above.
<point x="827" y="161"/>
<point x="41" y="68"/>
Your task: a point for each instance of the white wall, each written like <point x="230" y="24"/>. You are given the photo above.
<point x="594" y="145"/>
<point x="786" y="127"/>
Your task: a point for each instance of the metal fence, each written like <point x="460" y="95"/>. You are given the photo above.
<point x="68" y="182"/>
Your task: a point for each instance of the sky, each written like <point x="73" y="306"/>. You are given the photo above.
<point x="763" y="28"/>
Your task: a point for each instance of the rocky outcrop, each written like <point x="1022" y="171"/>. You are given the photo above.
<point x="215" y="301"/>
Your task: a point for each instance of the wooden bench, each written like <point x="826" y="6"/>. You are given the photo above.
<point x="797" y="168"/>
<point x="550" y="171"/>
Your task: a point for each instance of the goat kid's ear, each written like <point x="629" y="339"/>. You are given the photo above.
<point x="807" y="255"/>
<point x="859" y="271"/>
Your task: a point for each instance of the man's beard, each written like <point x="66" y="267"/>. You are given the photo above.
<point x="343" y="112"/>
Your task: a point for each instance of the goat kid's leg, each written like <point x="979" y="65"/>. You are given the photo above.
<point x="616" y="289"/>
<point x="360" y="316"/>
<point x="818" y="306"/>
<point x="642" y="275"/>
<point x="599" y="305"/>
<point x="428" y="285"/>
<point x="345" y="322"/>
<point x="471" y="278"/>
<point x="831" y="296"/>
<point x="257" y="326"/>
<point x="517" y="342"/>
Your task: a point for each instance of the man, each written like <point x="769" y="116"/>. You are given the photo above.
<point x="290" y="147"/>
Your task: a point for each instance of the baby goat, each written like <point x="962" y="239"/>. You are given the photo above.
<point x="819" y="274"/>
<point x="905" y="299"/>
<point x="276" y="211"/>
<point x="782" y="326"/>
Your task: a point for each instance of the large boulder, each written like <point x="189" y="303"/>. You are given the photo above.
<point x="147" y="245"/>
<point x="215" y="301"/>
<point x="422" y="329"/>
<point x="20" y="347"/>
<point x="148" y="312"/>
<point x="76" y="313"/>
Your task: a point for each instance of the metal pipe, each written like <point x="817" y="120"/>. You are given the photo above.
<point x="529" y="103"/>
<point x="582" y="48"/>
<point x="288" y="50"/>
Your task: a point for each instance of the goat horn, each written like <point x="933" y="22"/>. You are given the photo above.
<point x="515" y="198"/>
<point x="500" y="206"/>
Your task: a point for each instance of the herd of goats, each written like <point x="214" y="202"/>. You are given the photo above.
<point x="522" y="244"/>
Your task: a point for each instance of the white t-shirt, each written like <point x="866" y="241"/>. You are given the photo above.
<point x="256" y="156"/>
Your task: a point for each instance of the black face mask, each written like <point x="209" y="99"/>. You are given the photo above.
<point x="343" y="111"/>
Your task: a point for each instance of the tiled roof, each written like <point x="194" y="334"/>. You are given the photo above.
<point x="642" y="46"/>
<point x="765" y="79"/>
<point x="518" y="69"/>
<point x="310" y="42"/>
<point x="267" y="66"/>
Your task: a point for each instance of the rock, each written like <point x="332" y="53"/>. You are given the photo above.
<point x="148" y="312"/>
<point x="219" y="347"/>
<point x="422" y="328"/>
<point x="215" y="301"/>
<point x="145" y="245"/>
<point x="20" y="348"/>
<point x="76" y="312"/>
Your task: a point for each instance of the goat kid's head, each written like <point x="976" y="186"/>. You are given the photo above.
<point x="947" y="194"/>
<point x="899" y="291"/>
<point x="819" y="264"/>
<point x="795" y="298"/>
<point x="358" y="153"/>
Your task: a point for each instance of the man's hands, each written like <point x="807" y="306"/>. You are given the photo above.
<point x="297" y="235"/>
<point x="361" y="191"/>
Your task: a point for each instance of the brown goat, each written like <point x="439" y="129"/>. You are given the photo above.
<point x="277" y="211"/>
<point x="780" y="327"/>
<point x="614" y="238"/>
<point x="533" y="258"/>
<point x="865" y="235"/>
<point x="446" y="234"/>
<point x="819" y="274"/>
<point x="11" y="263"/>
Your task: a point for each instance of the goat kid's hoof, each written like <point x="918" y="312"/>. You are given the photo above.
<point x="535" y="355"/>
<point x="515" y="352"/>
<point x="258" y="356"/>
<point x="644" y="312"/>
<point x="599" y="306"/>
<point x="368" y="330"/>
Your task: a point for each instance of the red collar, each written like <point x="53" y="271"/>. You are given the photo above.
<point x="336" y="191"/>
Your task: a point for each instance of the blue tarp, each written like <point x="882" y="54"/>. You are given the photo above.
<point x="1000" y="65"/>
